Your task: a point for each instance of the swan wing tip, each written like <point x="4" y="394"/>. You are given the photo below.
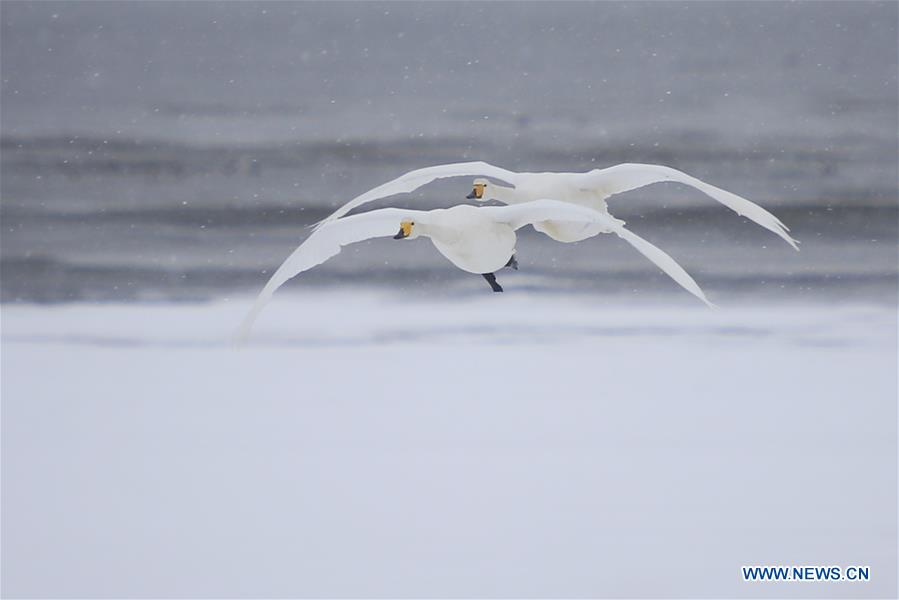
<point x="319" y="224"/>
<point x="239" y="338"/>
<point x="794" y="243"/>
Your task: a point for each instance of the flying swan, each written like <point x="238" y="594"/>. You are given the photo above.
<point x="589" y="189"/>
<point x="479" y="240"/>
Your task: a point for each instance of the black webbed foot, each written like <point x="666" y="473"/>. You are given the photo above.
<point x="491" y="279"/>
<point x="513" y="263"/>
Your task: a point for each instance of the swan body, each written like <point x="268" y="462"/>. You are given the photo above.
<point x="469" y="238"/>
<point x="475" y="239"/>
<point x="590" y="189"/>
<point x="558" y="186"/>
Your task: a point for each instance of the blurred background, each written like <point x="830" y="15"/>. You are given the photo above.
<point x="394" y="429"/>
<point x="160" y="151"/>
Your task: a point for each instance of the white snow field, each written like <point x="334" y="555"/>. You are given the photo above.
<point x="366" y="445"/>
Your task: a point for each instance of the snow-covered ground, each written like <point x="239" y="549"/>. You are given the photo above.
<point x="366" y="445"/>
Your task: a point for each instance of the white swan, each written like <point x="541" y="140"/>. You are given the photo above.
<point x="476" y="239"/>
<point x="587" y="189"/>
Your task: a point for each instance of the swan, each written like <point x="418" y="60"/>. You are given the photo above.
<point x="589" y="189"/>
<point x="478" y="240"/>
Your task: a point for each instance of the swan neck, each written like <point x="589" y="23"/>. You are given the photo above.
<point x="433" y="230"/>
<point x="506" y="195"/>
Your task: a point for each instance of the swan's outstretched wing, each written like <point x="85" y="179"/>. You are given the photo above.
<point x="325" y="243"/>
<point x="528" y="213"/>
<point x="630" y="176"/>
<point x="413" y="180"/>
<point x="664" y="262"/>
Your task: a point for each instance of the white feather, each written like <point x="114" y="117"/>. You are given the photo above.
<point x="537" y="211"/>
<point x="630" y="176"/>
<point x="325" y="243"/>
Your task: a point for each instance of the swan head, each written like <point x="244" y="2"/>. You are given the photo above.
<point x="479" y="190"/>
<point x="407" y="230"/>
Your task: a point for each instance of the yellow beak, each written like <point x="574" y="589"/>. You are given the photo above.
<point x="405" y="230"/>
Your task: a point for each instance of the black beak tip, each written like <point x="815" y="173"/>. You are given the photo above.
<point x="400" y="235"/>
<point x="471" y="196"/>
